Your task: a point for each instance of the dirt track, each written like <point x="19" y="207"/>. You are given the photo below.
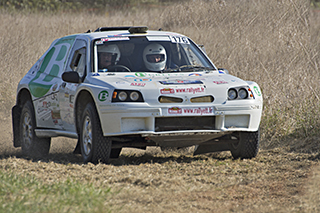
<point x="151" y="181"/>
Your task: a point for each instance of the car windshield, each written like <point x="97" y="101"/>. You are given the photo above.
<point x="149" y="54"/>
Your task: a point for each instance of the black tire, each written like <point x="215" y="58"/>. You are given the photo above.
<point x="248" y="145"/>
<point x="31" y="145"/>
<point x="115" y="152"/>
<point x="95" y="147"/>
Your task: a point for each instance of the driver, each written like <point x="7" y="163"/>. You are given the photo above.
<point x="155" y="57"/>
<point x="108" y="55"/>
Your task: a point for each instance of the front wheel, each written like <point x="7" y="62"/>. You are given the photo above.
<point x="247" y="145"/>
<point x="94" y="146"/>
<point x="31" y="145"/>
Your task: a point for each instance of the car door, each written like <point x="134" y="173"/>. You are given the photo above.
<point x="45" y="84"/>
<point x="77" y="62"/>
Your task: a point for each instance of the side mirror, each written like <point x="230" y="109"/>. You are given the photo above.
<point x="224" y="70"/>
<point x="71" y="77"/>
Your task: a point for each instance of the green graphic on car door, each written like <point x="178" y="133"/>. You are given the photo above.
<point x="51" y="66"/>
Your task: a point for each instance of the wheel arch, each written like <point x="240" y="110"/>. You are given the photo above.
<point x="83" y="98"/>
<point x="23" y="96"/>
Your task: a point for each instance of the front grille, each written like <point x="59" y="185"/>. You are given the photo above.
<point x="185" y="123"/>
<point x="166" y="99"/>
<point x="203" y="99"/>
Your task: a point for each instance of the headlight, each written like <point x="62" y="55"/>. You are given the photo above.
<point x="240" y="93"/>
<point x="122" y="96"/>
<point x="134" y="96"/>
<point x="127" y="96"/>
<point x="232" y="94"/>
<point x="243" y="94"/>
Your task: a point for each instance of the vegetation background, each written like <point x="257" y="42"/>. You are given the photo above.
<point x="275" y="43"/>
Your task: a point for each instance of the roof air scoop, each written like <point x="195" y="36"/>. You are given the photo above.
<point x="133" y="30"/>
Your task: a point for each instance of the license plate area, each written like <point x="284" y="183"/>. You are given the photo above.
<point x="184" y="123"/>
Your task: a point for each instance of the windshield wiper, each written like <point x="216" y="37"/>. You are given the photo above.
<point x="188" y="68"/>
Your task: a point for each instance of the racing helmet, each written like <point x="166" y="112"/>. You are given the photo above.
<point x="155" y="57"/>
<point x="113" y="49"/>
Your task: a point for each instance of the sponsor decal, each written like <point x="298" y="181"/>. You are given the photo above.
<point x="54" y="97"/>
<point x="96" y="74"/>
<point x="129" y="76"/>
<point x="220" y="82"/>
<point x="54" y="87"/>
<point x="143" y="79"/>
<point x="191" y="111"/>
<point x="192" y="90"/>
<point x="158" y="38"/>
<point x="221" y="72"/>
<point x="198" y="111"/>
<point x="44" y="114"/>
<point x="103" y="95"/>
<point x="171" y="82"/>
<point x="179" y="39"/>
<point x="195" y="74"/>
<point x="120" y="82"/>
<point x="175" y="110"/>
<point x="46" y="104"/>
<point x="140" y="74"/>
<point x="256" y="90"/>
<point x="55" y="114"/>
<point x="138" y="84"/>
<point x="115" y="39"/>
<point x="167" y="91"/>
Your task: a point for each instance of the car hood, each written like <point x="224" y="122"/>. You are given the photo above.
<point x="183" y="85"/>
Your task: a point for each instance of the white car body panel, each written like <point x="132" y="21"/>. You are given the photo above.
<point x="54" y="100"/>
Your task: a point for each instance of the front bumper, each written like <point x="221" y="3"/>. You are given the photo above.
<point x="155" y="121"/>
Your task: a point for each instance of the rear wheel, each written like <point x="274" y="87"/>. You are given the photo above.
<point x="94" y="146"/>
<point x="31" y="145"/>
<point x="247" y="146"/>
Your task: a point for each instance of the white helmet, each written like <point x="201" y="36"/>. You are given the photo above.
<point x="150" y="53"/>
<point x="113" y="49"/>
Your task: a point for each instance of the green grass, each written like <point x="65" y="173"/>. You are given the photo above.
<point x="27" y="194"/>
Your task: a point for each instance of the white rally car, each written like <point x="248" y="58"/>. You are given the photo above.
<point x="130" y="87"/>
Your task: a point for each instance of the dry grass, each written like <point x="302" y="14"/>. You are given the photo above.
<point x="274" y="43"/>
<point x="264" y="41"/>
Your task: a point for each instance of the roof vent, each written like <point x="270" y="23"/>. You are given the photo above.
<point x="132" y="29"/>
<point x="102" y="29"/>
